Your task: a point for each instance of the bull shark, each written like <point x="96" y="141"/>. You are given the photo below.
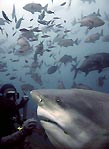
<point x="73" y="118"/>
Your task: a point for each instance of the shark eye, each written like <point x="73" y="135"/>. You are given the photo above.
<point x="58" y="100"/>
<point x="40" y="100"/>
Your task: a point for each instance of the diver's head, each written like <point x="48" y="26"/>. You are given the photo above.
<point x="9" y="91"/>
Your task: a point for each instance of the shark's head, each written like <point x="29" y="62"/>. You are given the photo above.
<point x="64" y="117"/>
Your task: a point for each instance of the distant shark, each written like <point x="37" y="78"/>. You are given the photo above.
<point x="74" y="118"/>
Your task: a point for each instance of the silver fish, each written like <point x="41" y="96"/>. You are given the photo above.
<point x="34" y="7"/>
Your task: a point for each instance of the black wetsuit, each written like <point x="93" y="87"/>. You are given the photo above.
<point x="8" y="110"/>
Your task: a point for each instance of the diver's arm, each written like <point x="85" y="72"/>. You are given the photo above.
<point x="13" y="138"/>
<point x="16" y="137"/>
<point x="22" y="103"/>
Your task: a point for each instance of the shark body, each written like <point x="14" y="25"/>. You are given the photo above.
<point x="74" y="118"/>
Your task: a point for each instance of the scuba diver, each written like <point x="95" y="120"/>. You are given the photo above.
<point x="10" y="92"/>
<point x="10" y="136"/>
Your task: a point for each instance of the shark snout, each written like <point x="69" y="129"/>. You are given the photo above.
<point x="35" y="96"/>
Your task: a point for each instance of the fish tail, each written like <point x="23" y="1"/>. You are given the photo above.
<point x="75" y="59"/>
<point x="74" y="68"/>
<point x="45" y="7"/>
<point x="76" y="72"/>
<point x="76" y="41"/>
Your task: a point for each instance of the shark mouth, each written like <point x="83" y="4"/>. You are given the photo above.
<point x="42" y="118"/>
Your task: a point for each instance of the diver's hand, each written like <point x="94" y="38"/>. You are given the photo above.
<point x="24" y="101"/>
<point x="29" y="125"/>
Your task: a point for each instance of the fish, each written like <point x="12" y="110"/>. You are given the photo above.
<point x="18" y="23"/>
<point x="5" y="16"/>
<point x="45" y="36"/>
<point x="14" y="33"/>
<point x="15" y="19"/>
<point x="56" y="18"/>
<point x="97" y="61"/>
<point x="14" y="60"/>
<point x="93" y="37"/>
<point x="36" y="29"/>
<point x="50" y="12"/>
<point x="13" y="78"/>
<point x="31" y="19"/>
<point x="23" y="30"/>
<point x="34" y="7"/>
<point x="63" y="4"/>
<point x="67" y="42"/>
<point x="69" y="4"/>
<point x="52" y="69"/>
<point x="91" y="21"/>
<point x="66" y="59"/>
<point x="73" y="118"/>
<point x="44" y="22"/>
<point x="13" y="12"/>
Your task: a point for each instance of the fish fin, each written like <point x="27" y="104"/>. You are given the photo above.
<point x="98" y="12"/>
<point x="76" y="41"/>
<point x="76" y="72"/>
<point x="91" y="24"/>
<point x="75" y="59"/>
<point x="45" y="7"/>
